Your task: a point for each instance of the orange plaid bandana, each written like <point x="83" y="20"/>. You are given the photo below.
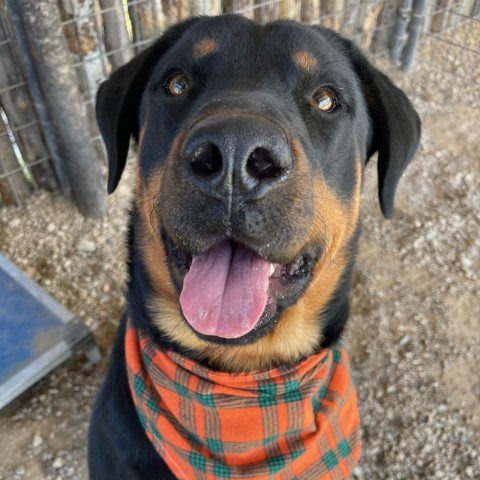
<point x="287" y="423"/>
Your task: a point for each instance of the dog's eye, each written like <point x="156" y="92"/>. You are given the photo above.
<point x="177" y="84"/>
<point x="324" y="100"/>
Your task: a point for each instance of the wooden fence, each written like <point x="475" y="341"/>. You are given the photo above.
<point x="98" y="36"/>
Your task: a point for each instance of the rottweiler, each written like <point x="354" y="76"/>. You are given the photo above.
<point x="252" y="142"/>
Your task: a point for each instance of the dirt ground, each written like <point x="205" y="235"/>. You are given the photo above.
<point x="414" y="333"/>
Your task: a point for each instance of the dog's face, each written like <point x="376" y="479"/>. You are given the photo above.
<point x="252" y="143"/>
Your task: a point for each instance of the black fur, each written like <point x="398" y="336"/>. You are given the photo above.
<point x="249" y="74"/>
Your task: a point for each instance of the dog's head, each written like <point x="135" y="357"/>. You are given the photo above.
<point x="251" y="146"/>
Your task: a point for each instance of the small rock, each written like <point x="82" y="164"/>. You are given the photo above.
<point x="466" y="262"/>
<point x="51" y="227"/>
<point x="15" y="223"/>
<point x="469" y="472"/>
<point x="57" y="463"/>
<point x="357" y="472"/>
<point x="37" y="440"/>
<point x="86" y="246"/>
<point x="20" y="471"/>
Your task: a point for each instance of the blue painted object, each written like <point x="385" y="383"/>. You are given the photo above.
<point x="27" y="327"/>
<point x="36" y="333"/>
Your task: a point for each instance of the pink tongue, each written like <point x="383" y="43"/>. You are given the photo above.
<point x="225" y="291"/>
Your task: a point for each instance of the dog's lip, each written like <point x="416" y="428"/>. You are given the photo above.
<point x="278" y="269"/>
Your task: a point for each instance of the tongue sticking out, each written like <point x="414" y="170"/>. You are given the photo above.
<point x="225" y="291"/>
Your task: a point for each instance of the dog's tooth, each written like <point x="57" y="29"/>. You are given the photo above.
<point x="272" y="269"/>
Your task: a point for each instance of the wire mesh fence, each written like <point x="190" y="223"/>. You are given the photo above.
<point x="24" y="158"/>
<point x="103" y="34"/>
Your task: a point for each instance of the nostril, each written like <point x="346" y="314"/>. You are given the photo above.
<point x="206" y="160"/>
<point x="261" y="165"/>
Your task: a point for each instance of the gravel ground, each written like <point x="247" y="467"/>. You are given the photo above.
<point x="414" y="334"/>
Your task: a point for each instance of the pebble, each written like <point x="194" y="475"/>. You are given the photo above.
<point x="15" y="223"/>
<point x="37" y="440"/>
<point x="20" y="472"/>
<point x="357" y="472"/>
<point x="57" y="463"/>
<point x="86" y="246"/>
<point x="51" y="227"/>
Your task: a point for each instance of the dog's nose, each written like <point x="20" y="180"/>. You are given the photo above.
<point x="241" y="156"/>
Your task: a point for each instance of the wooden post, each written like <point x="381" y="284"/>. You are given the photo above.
<point x="148" y="20"/>
<point x="19" y="111"/>
<point x="205" y="7"/>
<point x="310" y="11"/>
<point x="289" y="9"/>
<point x="116" y="34"/>
<point x="49" y="67"/>
<point x="438" y="18"/>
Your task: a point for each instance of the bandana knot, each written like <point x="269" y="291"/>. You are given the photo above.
<point x="299" y="422"/>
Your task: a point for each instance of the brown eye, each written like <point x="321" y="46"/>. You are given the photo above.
<point x="177" y="84"/>
<point x="324" y="100"/>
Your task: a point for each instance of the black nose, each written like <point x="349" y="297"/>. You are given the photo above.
<point x="242" y="155"/>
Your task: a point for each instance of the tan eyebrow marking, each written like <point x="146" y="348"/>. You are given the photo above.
<point x="305" y="60"/>
<point x="205" y="47"/>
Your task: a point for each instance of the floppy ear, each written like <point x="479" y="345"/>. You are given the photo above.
<point x="396" y="125"/>
<point x="119" y="98"/>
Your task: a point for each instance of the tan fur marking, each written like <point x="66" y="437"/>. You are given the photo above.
<point x="298" y="330"/>
<point x="204" y="48"/>
<point x="305" y="61"/>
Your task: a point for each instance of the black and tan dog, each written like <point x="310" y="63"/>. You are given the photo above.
<point x="252" y="141"/>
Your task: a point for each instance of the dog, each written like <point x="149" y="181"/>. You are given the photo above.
<point x="252" y="142"/>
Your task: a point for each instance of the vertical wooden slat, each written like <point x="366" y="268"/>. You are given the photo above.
<point x="290" y="9"/>
<point x="310" y="11"/>
<point x="116" y="34"/>
<point x="19" y="110"/>
<point x="149" y="19"/>
<point x="49" y="66"/>
<point x="438" y="18"/>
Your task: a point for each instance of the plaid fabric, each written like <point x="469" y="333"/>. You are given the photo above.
<point x="290" y="423"/>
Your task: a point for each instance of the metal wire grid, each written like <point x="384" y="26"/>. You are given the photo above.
<point x="370" y="23"/>
<point x="455" y="47"/>
<point x="21" y="143"/>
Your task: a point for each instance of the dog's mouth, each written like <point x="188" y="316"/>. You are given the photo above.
<point x="230" y="294"/>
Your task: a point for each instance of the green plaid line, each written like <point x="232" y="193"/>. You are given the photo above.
<point x="142" y="418"/>
<point x="297" y="453"/>
<point x="153" y="406"/>
<point x="267" y="395"/>
<point x="214" y="445"/>
<point x="270" y="439"/>
<point x="221" y="470"/>
<point x="181" y="390"/>
<point x="192" y="438"/>
<point x="317" y="400"/>
<point x="336" y="355"/>
<point x="156" y="432"/>
<point x="275" y="464"/>
<point x="344" y="448"/>
<point x="292" y="393"/>
<point x="206" y="400"/>
<point x="330" y="460"/>
<point x="197" y="461"/>
<point x="139" y="386"/>
<point x="146" y="359"/>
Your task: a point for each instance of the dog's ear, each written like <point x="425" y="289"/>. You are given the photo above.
<point x="118" y="101"/>
<point x="396" y="125"/>
<point x="396" y="129"/>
